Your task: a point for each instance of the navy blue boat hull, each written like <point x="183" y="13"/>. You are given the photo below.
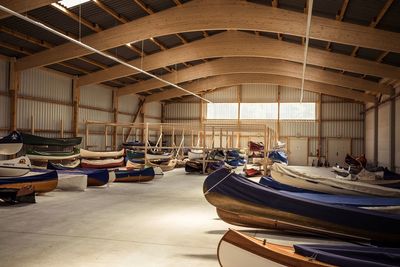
<point x="233" y="193"/>
<point x="130" y="176"/>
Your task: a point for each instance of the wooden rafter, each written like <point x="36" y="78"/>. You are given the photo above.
<point x="275" y="3"/>
<point x="121" y="19"/>
<point x="241" y="44"/>
<point x="23" y="6"/>
<point x="210" y="15"/>
<point x="49" y="45"/>
<point x="339" y="17"/>
<point x="237" y="79"/>
<point x="257" y="65"/>
<point x="375" y="22"/>
<point x="150" y="11"/>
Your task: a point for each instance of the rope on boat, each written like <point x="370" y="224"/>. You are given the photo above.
<point x="217" y="183"/>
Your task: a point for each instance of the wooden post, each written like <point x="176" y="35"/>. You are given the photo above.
<point x="392" y="132"/>
<point x="192" y="138"/>
<point x="319" y="114"/>
<point x="86" y="135"/>
<point x="62" y="128"/>
<point x="146" y="137"/>
<point x="220" y="138"/>
<point x="105" y="137"/>
<point x="266" y="132"/>
<point x="142" y="115"/>
<point x="13" y="89"/>
<point x="76" y="98"/>
<point x="115" y="110"/>
<point x="376" y="131"/>
<point x="278" y="126"/>
<point x="213" y="138"/>
<point x="239" y="100"/>
<point x="32" y="124"/>
<point x="173" y="137"/>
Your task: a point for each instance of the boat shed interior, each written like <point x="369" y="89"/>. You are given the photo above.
<point x="199" y="133"/>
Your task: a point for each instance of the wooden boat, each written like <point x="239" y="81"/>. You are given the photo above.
<point x="133" y="154"/>
<point x="30" y="139"/>
<point x="11" y="144"/>
<point x="130" y="176"/>
<point x="101" y="154"/>
<point x="253" y="203"/>
<point x="167" y="166"/>
<point x="196" y="154"/>
<point x="157" y="156"/>
<point x="133" y="165"/>
<point x="52" y="155"/>
<point x="252" y="172"/>
<point x="62" y="166"/>
<point x="95" y="177"/>
<point x="15" y="167"/>
<point x="41" y="183"/>
<point x="324" y="181"/>
<point x="132" y="144"/>
<point x="17" y="195"/>
<point x="253" y="146"/>
<point x="237" y="250"/>
<point x="102" y="163"/>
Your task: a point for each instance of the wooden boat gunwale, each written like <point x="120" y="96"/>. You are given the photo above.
<point x="277" y="253"/>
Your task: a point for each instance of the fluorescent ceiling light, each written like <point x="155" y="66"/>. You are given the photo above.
<point x="72" y="3"/>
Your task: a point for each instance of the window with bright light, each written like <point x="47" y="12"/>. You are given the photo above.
<point x="297" y="111"/>
<point x="222" y="111"/>
<point x="263" y="111"/>
<point x="72" y="3"/>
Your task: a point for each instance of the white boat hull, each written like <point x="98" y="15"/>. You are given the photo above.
<point x="46" y="158"/>
<point x="10" y="149"/>
<point x="15" y="167"/>
<point x="197" y="154"/>
<point x="232" y="256"/>
<point x="101" y="154"/>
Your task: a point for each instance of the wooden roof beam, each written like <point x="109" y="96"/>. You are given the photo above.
<point x="241" y="44"/>
<point x="375" y="22"/>
<point x="211" y="15"/>
<point x="256" y="65"/>
<point x="339" y="17"/>
<point x="237" y="79"/>
<point x="23" y="6"/>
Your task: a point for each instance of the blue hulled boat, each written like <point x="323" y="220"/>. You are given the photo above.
<point x="244" y="202"/>
<point x="141" y="175"/>
<point x="41" y="183"/>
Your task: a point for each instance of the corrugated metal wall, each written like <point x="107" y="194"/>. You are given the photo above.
<point x="339" y="117"/>
<point x="3" y="75"/>
<point x="128" y="103"/>
<point x="384" y="135"/>
<point x="96" y="96"/>
<point x="397" y="131"/>
<point x="369" y="134"/>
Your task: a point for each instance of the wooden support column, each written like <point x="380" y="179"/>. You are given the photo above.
<point x="201" y="119"/>
<point x="239" y="99"/>
<point x="392" y="132"/>
<point x="115" y="110"/>
<point x="162" y="112"/>
<point x="319" y="114"/>
<point x="14" y="84"/>
<point x="278" y="124"/>
<point x="376" y="131"/>
<point x="76" y="99"/>
<point x="142" y="115"/>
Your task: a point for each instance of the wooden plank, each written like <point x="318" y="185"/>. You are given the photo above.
<point x="241" y="44"/>
<point x="138" y="111"/>
<point x="76" y="99"/>
<point x="236" y="79"/>
<point x="257" y="65"/>
<point x="211" y="15"/>
<point x="116" y="109"/>
<point x="14" y="84"/>
<point x="23" y="6"/>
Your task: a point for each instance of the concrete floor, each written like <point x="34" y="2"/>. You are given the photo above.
<point x="166" y="222"/>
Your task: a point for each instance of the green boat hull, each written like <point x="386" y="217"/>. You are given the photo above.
<point x="30" y="139"/>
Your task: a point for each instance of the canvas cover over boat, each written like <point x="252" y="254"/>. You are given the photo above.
<point x="15" y="167"/>
<point x="11" y="144"/>
<point x="348" y="200"/>
<point x="95" y="177"/>
<point x="41" y="183"/>
<point x="234" y="193"/>
<point x="30" y="139"/>
<point x="325" y="181"/>
<point x="101" y="154"/>
<point x="351" y="255"/>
